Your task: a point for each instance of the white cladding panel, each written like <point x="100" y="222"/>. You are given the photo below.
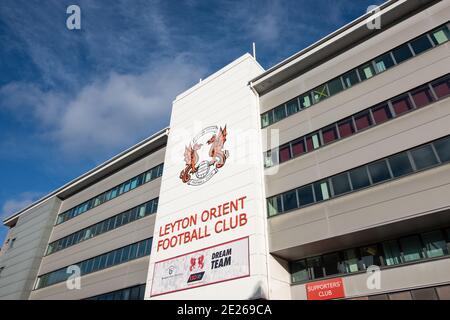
<point x="219" y="203"/>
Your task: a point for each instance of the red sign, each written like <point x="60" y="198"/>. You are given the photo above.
<point x="325" y="290"/>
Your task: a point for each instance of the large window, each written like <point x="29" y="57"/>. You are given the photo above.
<point x="132" y="293"/>
<point x="411" y="248"/>
<point x="352" y="77"/>
<point x="395" y="166"/>
<point x="378" y="114"/>
<point x="114" y="222"/>
<point x="97" y="263"/>
<point x="126" y="186"/>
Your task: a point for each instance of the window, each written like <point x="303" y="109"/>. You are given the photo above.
<point x="329" y="134"/>
<point x="367" y="71"/>
<point x="412" y="248"/>
<point x="346" y="128"/>
<point x="424" y="157"/>
<point x="279" y="113"/>
<point x="381" y="113"/>
<point x="350" y="262"/>
<point x="290" y="200"/>
<point x="340" y="183"/>
<point x="379" y="171"/>
<point x="335" y="86"/>
<point x="422" y="96"/>
<point x="305" y="195"/>
<point x="383" y="63"/>
<point x="331" y="264"/>
<point x="320" y="93"/>
<point x="271" y="158"/>
<point x="363" y="120"/>
<point x="315" y="268"/>
<point x="402" y="53"/>
<point x="305" y="101"/>
<point x="401" y="105"/>
<point x="442" y="87"/>
<point x="292" y="107"/>
<point x="400" y="164"/>
<point x="312" y="142"/>
<point x="274" y="205"/>
<point x="443" y="149"/>
<point x="285" y="153"/>
<point x="359" y="178"/>
<point x="421" y="44"/>
<point x="392" y="253"/>
<point x="351" y="78"/>
<point x="424" y="294"/>
<point x="435" y="244"/>
<point x="321" y="190"/>
<point x="12" y="243"/>
<point x="370" y="256"/>
<point x="298" y="147"/>
<point x="299" y="271"/>
<point x="440" y="36"/>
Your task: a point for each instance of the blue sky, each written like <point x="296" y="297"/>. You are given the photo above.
<point x="69" y="100"/>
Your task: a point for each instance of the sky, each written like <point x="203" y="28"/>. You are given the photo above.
<point x="71" y="99"/>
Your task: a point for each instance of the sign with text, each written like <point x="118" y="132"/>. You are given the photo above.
<point x="325" y="290"/>
<point x="214" y="264"/>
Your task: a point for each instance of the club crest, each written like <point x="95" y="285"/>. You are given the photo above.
<point x="200" y="167"/>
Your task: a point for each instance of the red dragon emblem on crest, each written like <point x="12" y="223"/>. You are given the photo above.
<point x="207" y="168"/>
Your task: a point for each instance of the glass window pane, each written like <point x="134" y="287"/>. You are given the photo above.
<point x="424" y="157"/>
<point x="442" y="87"/>
<point x="379" y="171"/>
<point x="350" y="261"/>
<point x="400" y="164"/>
<point x="440" y="36"/>
<point x="350" y="78"/>
<point x="424" y="294"/>
<point x="422" y="96"/>
<point x="421" y="44"/>
<point x="335" y="86"/>
<point x="370" y="256"/>
<point x="290" y="200"/>
<point x="381" y="113"/>
<point x="299" y="271"/>
<point x="274" y="205"/>
<point x="383" y="63"/>
<point x="341" y="184"/>
<point x="321" y="190"/>
<point x="346" y="128"/>
<point x="298" y="147"/>
<point x="366" y="71"/>
<point x="412" y="248"/>
<point x="312" y="142"/>
<point x="363" y="120"/>
<point x="292" y="107"/>
<point x="331" y="263"/>
<point x="305" y="101"/>
<point x="392" y="253"/>
<point x="402" y="53"/>
<point x="285" y="153"/>
<point x="271" y="158"/>
<point x="125" y="254"/>
<point x="315" y="267"/>
<point x="305" y="195"/>
<point x="329" y="134"/>
<point x="442" y="147"/>
<point x="401" y="105"/>
<point x="435" y="244"/>
<point x="320" y="93"/>
<point x="359" y="178"/>
<point x="279" y="113"/>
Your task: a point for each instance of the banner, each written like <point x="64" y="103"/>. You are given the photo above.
<point x="223" y="262"/>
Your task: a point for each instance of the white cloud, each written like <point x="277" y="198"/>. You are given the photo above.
<point x="105" y="115"/>
<point x="24" y="199"/>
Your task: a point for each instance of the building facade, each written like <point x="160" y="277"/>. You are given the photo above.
<point x="324" y="177"/>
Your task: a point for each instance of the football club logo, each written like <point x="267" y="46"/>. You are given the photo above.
<point x="198" y="171"/>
